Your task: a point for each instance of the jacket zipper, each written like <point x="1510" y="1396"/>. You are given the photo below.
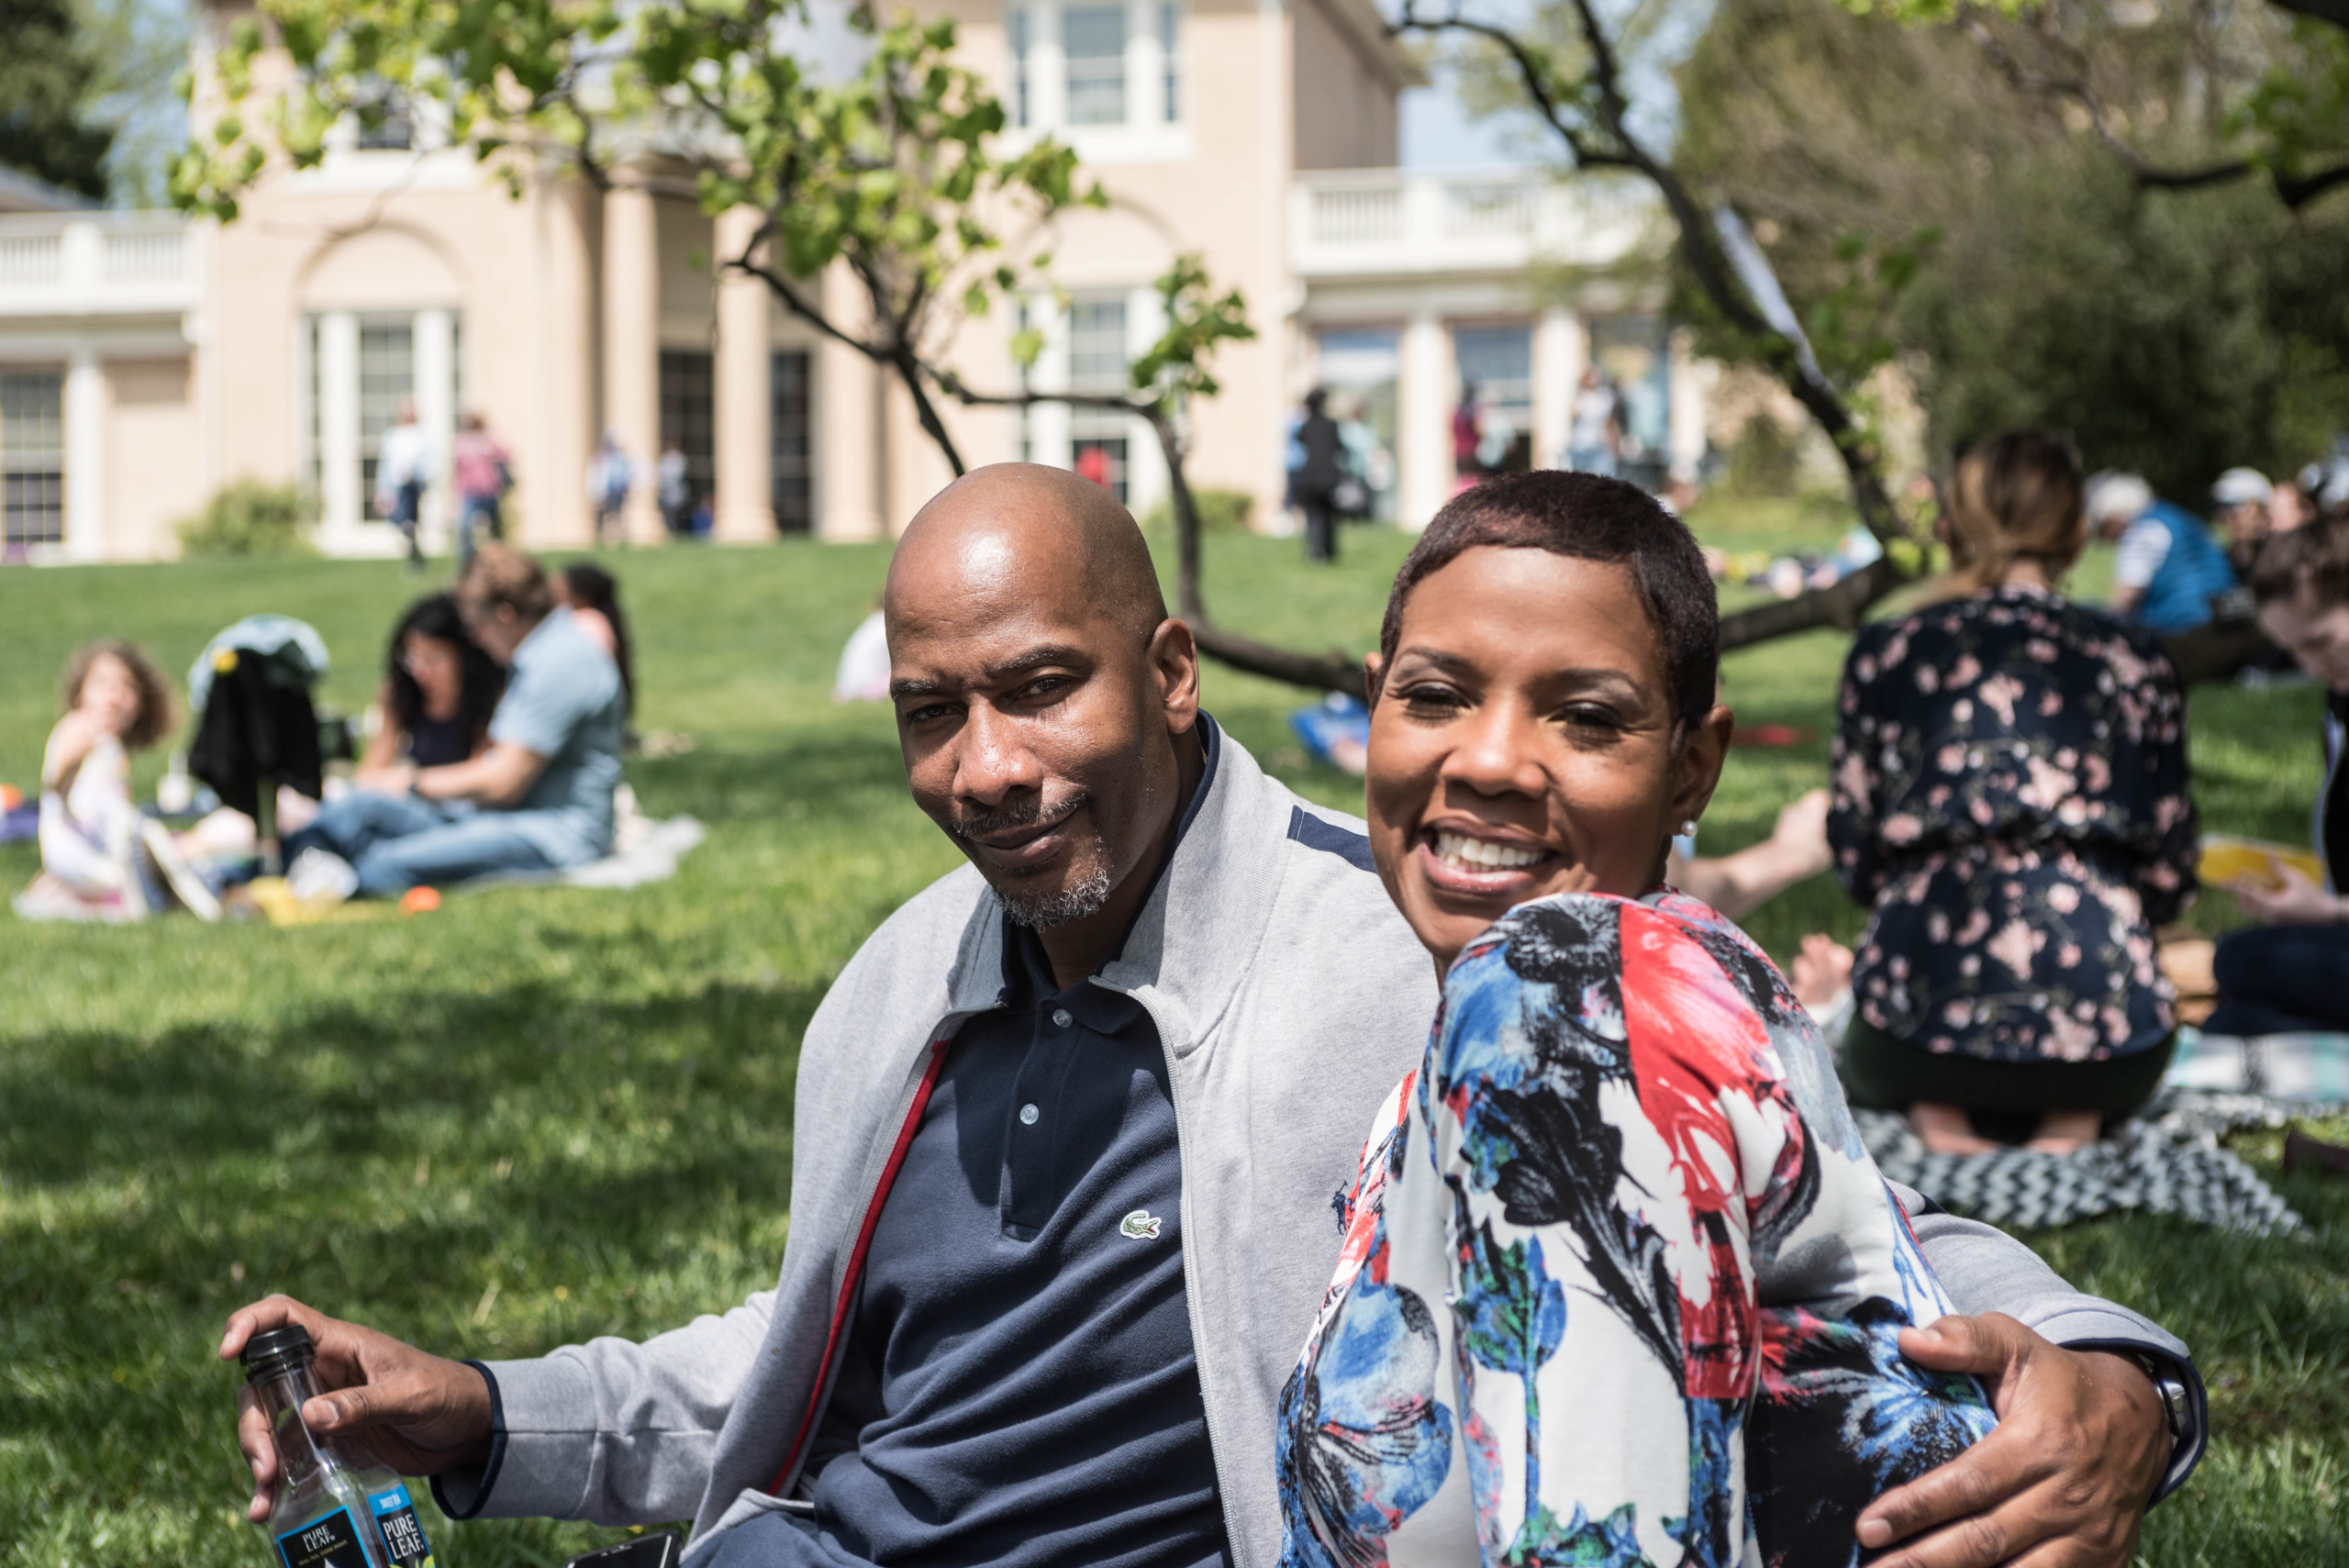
<point x="855" y="1270"/>
<point x="1199" y="1340"/>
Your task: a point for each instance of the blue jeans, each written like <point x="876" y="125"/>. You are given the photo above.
<point x="2282" y="980"/>
<point x="1591" y="460"/>
<point x="477" y="509"/>
<point x="396" y="842"/>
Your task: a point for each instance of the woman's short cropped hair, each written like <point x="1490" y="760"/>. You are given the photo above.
<point x="2312" y="558"/>
<point x="2014" y="496"/>
<point x="155" y="719"/>
<point x="1590" y="517"/>
<point x="507" y="578"/>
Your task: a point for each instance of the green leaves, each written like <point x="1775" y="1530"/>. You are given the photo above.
<point x="1197" y="320"/>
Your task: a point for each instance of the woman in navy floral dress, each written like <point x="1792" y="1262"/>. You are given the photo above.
<point x="1619" y="1282"/>
<point x="2011" y="801"/>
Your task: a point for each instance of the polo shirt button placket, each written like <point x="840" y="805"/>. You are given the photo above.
<point x="1060" y="1019"/>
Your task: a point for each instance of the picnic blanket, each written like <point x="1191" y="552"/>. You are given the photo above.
<point x="2166" y="1160"/>
<point x="644" y="850"/>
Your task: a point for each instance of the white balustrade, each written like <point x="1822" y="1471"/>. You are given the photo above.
<point x="1387" y="222"/>
<point x="82" y="265"/>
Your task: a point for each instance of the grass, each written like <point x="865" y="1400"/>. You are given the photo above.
<point x="539" y="1115"/>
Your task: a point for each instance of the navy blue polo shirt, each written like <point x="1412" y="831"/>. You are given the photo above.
<point x="1020" y="1367"/>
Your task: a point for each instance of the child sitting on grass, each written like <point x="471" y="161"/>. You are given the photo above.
<point x="92" y="868"/>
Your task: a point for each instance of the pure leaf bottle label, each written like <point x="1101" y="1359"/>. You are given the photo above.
<point x="328" y="1542"/>
<point x="403" y="1536"/>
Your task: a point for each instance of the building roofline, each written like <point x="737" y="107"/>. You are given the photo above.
<point x="20" y="192"/>
<point x="1362" y="22"/>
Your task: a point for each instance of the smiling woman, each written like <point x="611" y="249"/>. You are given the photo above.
<point x="1624" y="1165"/>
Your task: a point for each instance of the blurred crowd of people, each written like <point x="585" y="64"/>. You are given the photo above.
<point x="492" y="747"/>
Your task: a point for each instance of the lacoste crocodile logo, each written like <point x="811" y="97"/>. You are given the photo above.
<point x="1139" y="1226"/>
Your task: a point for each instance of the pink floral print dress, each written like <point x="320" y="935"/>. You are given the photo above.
<point x="2011" y="801"/>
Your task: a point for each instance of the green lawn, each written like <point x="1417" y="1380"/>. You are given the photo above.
<point x="536" y="1116"/>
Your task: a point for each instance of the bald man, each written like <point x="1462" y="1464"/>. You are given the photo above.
<point x="1065" y="1139"/>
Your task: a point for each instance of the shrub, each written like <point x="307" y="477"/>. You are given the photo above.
<point x="1220" y="512"/>
<point x="249" y="518"/>
<point x="1765" y="459"/>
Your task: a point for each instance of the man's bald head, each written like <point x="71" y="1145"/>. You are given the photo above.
<point x="1044" y="529"/>
<point x="1047" y="707"/>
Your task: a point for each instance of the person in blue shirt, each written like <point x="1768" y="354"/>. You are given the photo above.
<point x="538" y="797"/>
<point x="2171" y="573"/>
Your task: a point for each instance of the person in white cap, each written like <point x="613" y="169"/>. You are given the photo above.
<point x="2240" y="500"/>
<point x="2171" y="573"/>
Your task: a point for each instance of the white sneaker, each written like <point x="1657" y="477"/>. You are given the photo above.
<point x="320" y="876"/>
<point x="187" y="884"/>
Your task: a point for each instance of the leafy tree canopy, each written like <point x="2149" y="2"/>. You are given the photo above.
<point x="1924" y="201"/>
<point x="47" y="77"/>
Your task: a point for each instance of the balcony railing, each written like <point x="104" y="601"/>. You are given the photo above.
<point x="1386" y="222"/>
<point x="78" y="264"/>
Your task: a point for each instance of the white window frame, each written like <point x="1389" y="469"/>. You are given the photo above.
<point x="1155" y="128"/>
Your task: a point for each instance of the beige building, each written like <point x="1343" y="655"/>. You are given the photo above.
<point x="145" y="361"/>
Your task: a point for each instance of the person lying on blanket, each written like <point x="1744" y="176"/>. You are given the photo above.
<point x="538" y="799"/>
<point x="1065" y="1136"/>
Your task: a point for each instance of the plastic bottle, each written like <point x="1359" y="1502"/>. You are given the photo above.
<point x="334" y="1509"/>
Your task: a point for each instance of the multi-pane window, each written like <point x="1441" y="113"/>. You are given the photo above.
<point x="1097" y="362"/>
<point x="790" y="465"/>
<point x="1097" y="343"/>
<point x="1497" y="362"/>
<point x="33" y="458"/>
<point x="1170" y="52"/>
<point x="1093" y="45"/>
<point x="387" y="378"/>
<point x="315" y="468"/>
<point x="688" y="414"/>
<point x="383" y="124"/>
<point x="1022" y="112"/>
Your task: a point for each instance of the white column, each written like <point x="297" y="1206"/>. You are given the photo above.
<point x="436" y="411"/>
<point x="846" y="403"/>
<point x="1558" y="366"/>
<point x="744" y="512"/>
<point x="85" y="456"/>
<point x="1145" y="69"/>
<point x="1423" y="420"/>
<point x="1146" y="481"/>
<point x="1048" y="423"/>
<point x="633" y="347"/>
<point x="1685" y="391"/>
<point x="1047" y="67"/>
<point x="342" y="507"/>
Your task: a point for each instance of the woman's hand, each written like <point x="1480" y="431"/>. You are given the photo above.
<point x="2299" y="902"/>
<point x="396" y="780"/>
<point x="2063" y="1481"/>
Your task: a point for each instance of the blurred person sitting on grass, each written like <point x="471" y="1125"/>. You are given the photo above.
<point x="440" y="689"/>
<point x="94" y="863"/>
<point x="1062" y="1148"/>
<point x="2012" y="801"/>
<point x="538" y="799"/>
<point x="2286" y="975"/>
<point x="593" y="596"/>
<point x="1737" y="885"/>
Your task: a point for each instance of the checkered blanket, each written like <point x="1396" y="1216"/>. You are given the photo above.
<point x="2164" y="1161"/>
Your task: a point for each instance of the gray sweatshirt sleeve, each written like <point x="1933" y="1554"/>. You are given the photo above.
<point x="1985" y="1270"/>
<point x="613" y="1431"/>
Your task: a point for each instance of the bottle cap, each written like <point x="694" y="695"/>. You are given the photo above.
<point x="277" y="1350"/>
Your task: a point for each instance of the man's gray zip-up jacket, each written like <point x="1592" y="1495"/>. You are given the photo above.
<point x="1289" y="996"/>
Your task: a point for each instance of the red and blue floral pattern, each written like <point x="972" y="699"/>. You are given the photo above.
<point x="1619" y="1284"/>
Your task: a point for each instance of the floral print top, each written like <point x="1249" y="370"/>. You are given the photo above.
<point x="2011" y="801"/>
<point x="1619" y="1284"/>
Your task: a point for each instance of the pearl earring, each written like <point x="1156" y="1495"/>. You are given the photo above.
<point x="1688" y="829"/>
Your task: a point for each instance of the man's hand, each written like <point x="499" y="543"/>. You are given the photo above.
<point x="419" y="1414"/>
<point x="2064" y="1480"/>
